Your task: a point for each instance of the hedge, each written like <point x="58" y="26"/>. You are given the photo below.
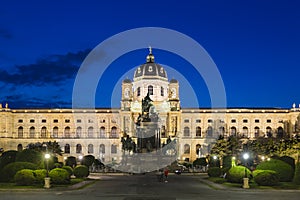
<point x="236" y="174"/>
<point x="40" y="175"/>
<point x="266" y="178"/>
<point x="81" y="171"/>
<point x="9" y="171"/>
<point x="24" y="177"/>
<point x="214" y="172"/>
<point x="284" y="170"/>
<point x="296" y="179"/>
<point x="68" y="169"/>
<point x="59" y="176"/>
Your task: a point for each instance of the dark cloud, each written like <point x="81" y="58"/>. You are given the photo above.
<point x="54" y="70"/>
<point x="5" y="34"/>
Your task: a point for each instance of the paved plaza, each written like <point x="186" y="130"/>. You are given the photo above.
<point x="147" y="187"/>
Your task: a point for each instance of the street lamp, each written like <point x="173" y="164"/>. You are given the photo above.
<point x="47" y="178"/>
<point x="245" y="179"/>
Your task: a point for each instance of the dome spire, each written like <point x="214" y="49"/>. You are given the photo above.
<point x="150" y="57"/>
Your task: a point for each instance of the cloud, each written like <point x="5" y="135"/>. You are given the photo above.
<point x="53" y="70"/>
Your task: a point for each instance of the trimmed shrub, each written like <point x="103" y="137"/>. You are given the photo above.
<point x="200" y="162"/>
<point x="71" y="161"/>
<point x="30" y="155"/>
<point x="7" y="157"/>
<point x="59" y="176"/>
<point x="227" y="162"/>
<point x="214" y="172"/>
<point x="24" y="177"/>
<point x="81" y="171"/>
<point x="88" y="160"/>
<point x="284" y="170"/>
<point x="266" y="178"/>
<point x="236" y="174"/>
<point x="40" y="175"/>
<point x="9" y="171"/>
<point x="296" y="179"/>
<point x="68" y="169"/>
<point x="289" y="160"/>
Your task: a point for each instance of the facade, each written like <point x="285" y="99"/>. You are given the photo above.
<point x="98" y="132"/>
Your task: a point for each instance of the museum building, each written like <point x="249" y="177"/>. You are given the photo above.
<point x="98" y="131"/>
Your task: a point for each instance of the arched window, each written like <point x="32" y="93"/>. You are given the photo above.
<point x="90" y="132"/>
<point x="55" y="132"/>
<point x="102" y="132"/>
<point x="78" y="132"/>
<point x="269" y="131"/>
<point x="198" y="131"/>
<point x="186" y="131"/>
<point x="245" y="131"/>
<point x="90" y="148"/>
<point x="20" y="132"/>
<point x="67" y="132"/>
<point x="162" y="93"/>
<point x="138" y="91"/>
<point x="67" y="148"/>
<point x="222" y="130"/>
<point x="198" y="150"/>
<point x="209" y="131"/>
<point x="150" y="90"/>
<point x="233" y="131"/>
<point x="280" y="132"/>
<point x="102" y="148"/>
<point x="256" y="131"/>
<point x="20" y="147"/>
<point x="113" y="148"/>
<point x="187" y="149"/>
<point x="78" y="148"/>
<point x="32" y="132"/>
<point x="113" y="133"/>
<point x="43" y="132"/>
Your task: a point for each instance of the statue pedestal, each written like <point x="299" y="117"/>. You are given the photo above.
<point x="47" y="183"/>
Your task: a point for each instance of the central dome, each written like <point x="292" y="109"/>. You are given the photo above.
<point x="150" y="69"/>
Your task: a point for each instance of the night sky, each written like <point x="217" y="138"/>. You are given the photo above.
<point x="254" y="44"/>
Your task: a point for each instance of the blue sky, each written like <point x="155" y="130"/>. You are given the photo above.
<point x="255" y="45"/>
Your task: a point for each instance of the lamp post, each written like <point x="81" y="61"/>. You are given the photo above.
<point x="246" y="179"/>
<point x="47" y="178"/>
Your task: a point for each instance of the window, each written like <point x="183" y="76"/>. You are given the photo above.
<point x="198" y="120"/>
<point x="198" y="131"/>
<point x="20" y="121"/>
<point x="210" y="121"/>
<point x="222" y="130"/>
<point x="269" y="131"/>
<point x="161" y="91"/>
<point x="78" y="132"/>
<point x="186" y="121"/>
<point x="233" y="131"/>
<point x="150" y="90"/>
<point x="67" y="132"/>
<point x="186" y="132"/>
<point x="233" y="121"/>
<point x="90" y="132"/>
<point x="102" y="132"/>
<point x="113" y="133"/>
<point x="44" y="132"/>
<point x="55" y="121"/>
<point x="90" y="121"/>
<point x="256" y="131"/>
<point x="78" y="148"/>
<point x="102" y="148"/>
<point x="55" y="132"/>
<point x="256" y="121"/>
<point x="20" y="147"/>
<point x="44" y="121"/>
<point x="269" y="121"/>
<point x="187" y="149"/>
<point x="102" y="121"/>
<point x="138" y="91"/>
<point x="209" y="131"/>
<point x="245" y="131"/>
<point x="32" y="132"/>
<point x="245" y="120"/>
<point x="67" y="148"/>
<point x="90" y="148"/>
<point x="113" y="148"/>
<point x="280" y="132"/>
<point x="78" y="120"/>
<point x="31" y="121"/>
<point x="20" y="132"/>
<point x="67" y="121"/>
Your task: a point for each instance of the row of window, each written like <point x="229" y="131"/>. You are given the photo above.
<point x="150" y="91"/>
<point x="222" y="121"/>
<point x="113" y="149"/>
<point x="67" y="132"/>
<point x="66" y="121"/>
<point x="233" y="131"/>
